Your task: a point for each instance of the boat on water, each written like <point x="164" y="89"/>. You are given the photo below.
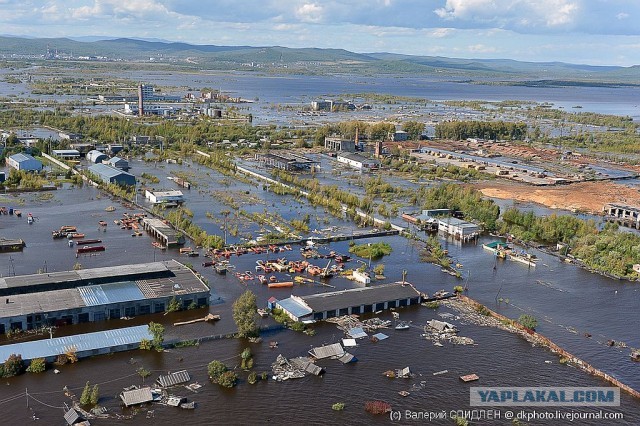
<point x="220" y="268"/>
<point x="85" y="242"/>
<point x="89" y="249"/>
<point x="75" y="235"/>
<point x="361" y="277"/>
<point x="635" y="355"/>
<point x="29" y="219"/>
<point x="185" y="250"/>
<point x="18" y="213"/>
<point x="523" y="257"/>
<point x="403" y="325"/>
<point x="282" y="284"/>
<point x="158" y="245"/>
<point x="262" y="279"/>
<point x="110" y="209"/>
<point x="498" y="248"/>
<point x="102" y="223"/>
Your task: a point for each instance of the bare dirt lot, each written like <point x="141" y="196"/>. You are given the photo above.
<point x="583" y="196"/>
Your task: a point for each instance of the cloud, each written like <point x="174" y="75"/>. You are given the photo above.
<point x="512" y="13"/>
<point x="309" y="12"/>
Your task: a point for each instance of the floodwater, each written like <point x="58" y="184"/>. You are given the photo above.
<point x="567" y="301"/>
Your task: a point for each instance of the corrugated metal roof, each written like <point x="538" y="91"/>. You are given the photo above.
<point x="322" y="302"/>
<point x="294" y="307"/>
<point x="357" y="333"/>
<point x="71" y="416"/>
<point x="106" y="171"/>
<point x="20" y="157"/>
<point x="136" y="396"/>
<point x="328" y="351"/>
<point x="173" y="379"/>
<point x="122" y="270"/>
<point x="103" y="294"/>
<point x="79" y="342"/>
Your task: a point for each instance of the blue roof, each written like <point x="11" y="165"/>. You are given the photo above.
<point x="20" y="157"/>
<point x="103" y="294"/>
<point x="294" y="307"/>
<point x="79" y="342"/>
<point x="114" y="160"/>
<point x="106" y="171"/>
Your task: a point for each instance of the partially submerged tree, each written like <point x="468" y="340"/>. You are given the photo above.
<point x="245" y="314"/>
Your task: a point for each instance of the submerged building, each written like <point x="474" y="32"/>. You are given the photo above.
<point x="347" y="302"/>
<point x="87" y="295"/>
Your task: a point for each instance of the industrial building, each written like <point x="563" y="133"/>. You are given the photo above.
<point x="85" y="345"/>
<point x="88" y="295"/>
<point x="285" y="161"/>
<point x="83" y="148"/>
<point x="347" y="302"/>
<point x="163" y="232"/>
<point x="174" y="197"/>
<point x="358" y="161"/>
<point x="22" y="161"/>
<point x="623" y="214"/>
<point x="110" y="174"/>
<point x="66" y="154"/>
<point x="338" y="144"/>
<point x="118" y="163"/>
<point x="459" y="229"/>
<point x="96" y="156"/>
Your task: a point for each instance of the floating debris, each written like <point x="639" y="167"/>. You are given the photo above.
<point x="469" y="378"/>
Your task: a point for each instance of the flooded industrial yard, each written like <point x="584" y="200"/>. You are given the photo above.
<point x="563" y="296"/>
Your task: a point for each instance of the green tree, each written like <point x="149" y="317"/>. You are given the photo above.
<point x="244" y="314"/>
<point x="38" y="365"/>
<point x="95" y="395"/>
<point x="13" y="365"/>
<point x="215" y="370"/>
<point x="228" y="379"/>
<point x="174" y="304"/>
<point x="528" y="321"/>
<point x="413" y="128"/>
<point x="85" y="397"/>
<point x="253" y="378"/>
<point x="157" y="331"/>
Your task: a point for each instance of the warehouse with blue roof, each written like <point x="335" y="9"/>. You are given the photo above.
<point x="89" y="295"/>
<point x="110" y="174"/>
<point x="22" y="161"/>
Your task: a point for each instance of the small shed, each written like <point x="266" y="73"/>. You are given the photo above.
<point x="136" y="396"/>
<point x="271" y="303"/>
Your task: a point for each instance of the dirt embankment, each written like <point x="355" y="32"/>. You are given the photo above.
<point x="583" y="196"/>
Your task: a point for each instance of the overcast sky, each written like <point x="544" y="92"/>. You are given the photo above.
<point x="599" y="32"/>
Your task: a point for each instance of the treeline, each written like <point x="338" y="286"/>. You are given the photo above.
<point x="544" y="229"/>
<point x="493" y="130"/>
<point x="608" y="250"/>
<point x="467" y="200"/>
<point x="592" y="118"/>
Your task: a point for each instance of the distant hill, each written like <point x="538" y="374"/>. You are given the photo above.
<point x="314" y="60"/>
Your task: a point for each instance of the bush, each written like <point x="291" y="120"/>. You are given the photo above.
<point x="253" y="378"/>
<point x="38" y="365"/>
<point x="483" y="310"/>
<point x="432" y="305"/>
<point x="458" y="289"/>
<point x="338" y="406"/>
<point x="528" y="321"/>
<point x="228" y="379"/>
